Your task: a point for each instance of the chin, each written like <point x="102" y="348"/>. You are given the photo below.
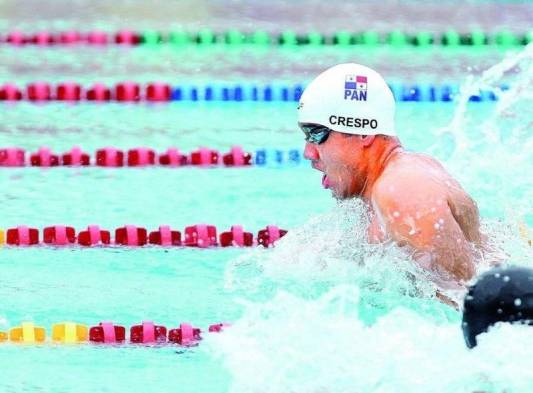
<point x="339" y="196"/>
<point x="344" y="194"/>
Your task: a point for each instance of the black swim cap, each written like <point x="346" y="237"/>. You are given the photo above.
<point x="500" y="295"/>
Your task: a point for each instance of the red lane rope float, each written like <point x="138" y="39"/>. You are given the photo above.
<point x="76" y="157"/>
<point x="98" y="92"/>
<point x="200" y="235"/>
<point x="59" y="235"/>
<point x="127" y="91"/>
<point x="165" y="236"/>
<point x="10" y="92"/>
<point x="68" y="92"/>
<point x="204" y="156"/>
<point x="172" y="157"/>
<point x="112" y="157"/>
<point x="12" y="156"/>
<point x="94" y="236"/>
<point x="270" y="235"/>
<point x="44" y="157"/>
<point x="148" y="332"/>
<point x="97" y="38"/>
<point x="236" y="236"/>
<point x="39" y="91"/>
<point x="158" y="92"/>
<point x="44" y="38"/>
<point x="107" y="332"/>
<point x="22" y="236"/>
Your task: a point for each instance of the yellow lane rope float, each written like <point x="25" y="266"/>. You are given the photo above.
<point x="27" y="333"/>
<point x="69" y="332"/>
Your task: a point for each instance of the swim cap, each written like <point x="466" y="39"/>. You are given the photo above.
<point x="500" y="295"/>
<point x="349" y="98"/>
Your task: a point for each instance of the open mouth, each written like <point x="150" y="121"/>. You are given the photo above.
<point x="325" y="180"/>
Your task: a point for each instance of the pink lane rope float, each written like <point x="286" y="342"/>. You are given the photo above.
<point x="127" y="91"/>
<point x="114" y="158"/>
<point x="147" y="333"/>
<point x="71" y="91"/>
<point x="44" y="38"/>
<point x="200" y="235"/>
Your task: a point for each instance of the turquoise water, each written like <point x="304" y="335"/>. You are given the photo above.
<point x="323" y="295"/>
<point x="324" y="311"/>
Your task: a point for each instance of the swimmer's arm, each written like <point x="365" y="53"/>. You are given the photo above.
<point x="430" y="229"/>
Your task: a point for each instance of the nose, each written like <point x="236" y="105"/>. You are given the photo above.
<point x="310" y="152"/>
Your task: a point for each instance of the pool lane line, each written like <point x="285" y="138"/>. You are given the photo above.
<point x="146" y="333"/>
<point x="199" y="235"/>
<point x="110" y="157"/>
<point x="161" y="92"/>
<point x="288" y="38"/>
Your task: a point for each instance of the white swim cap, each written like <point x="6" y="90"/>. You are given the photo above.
<point x="349" y="98"/>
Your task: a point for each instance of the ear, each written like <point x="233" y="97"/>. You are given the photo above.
<point x="367" y="140"/>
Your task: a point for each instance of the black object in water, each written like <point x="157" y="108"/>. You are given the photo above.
<point x="503" y="294"/>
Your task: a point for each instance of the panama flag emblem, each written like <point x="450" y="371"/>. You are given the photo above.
<point x="361" y="82"/>
<point x="355" y="87"/>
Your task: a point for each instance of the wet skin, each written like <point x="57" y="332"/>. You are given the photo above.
<point x="412" y="200"/>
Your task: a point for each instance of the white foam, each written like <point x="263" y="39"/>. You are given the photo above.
<point x="291" y="344"/>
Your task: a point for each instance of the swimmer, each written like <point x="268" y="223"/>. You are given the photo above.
<point x="500" y="295"/>
<point x="347" y="116"/>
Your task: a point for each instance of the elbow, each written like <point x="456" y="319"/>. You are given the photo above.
<point x="448" y="266"/>
<point x="464" y="270"/>
<point x="459" y="265"/>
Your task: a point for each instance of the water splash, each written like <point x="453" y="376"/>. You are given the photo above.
<point x="327" y="311"/>
<point x="330" y="250"/>
<point x="290" y="344"/>
<point x="495" y="144"/>
<point x="516" y="71"/>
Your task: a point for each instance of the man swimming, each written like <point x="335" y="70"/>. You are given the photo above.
<point x="347" y="116"/>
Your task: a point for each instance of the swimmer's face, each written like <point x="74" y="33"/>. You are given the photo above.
<point x="342" y="161"/>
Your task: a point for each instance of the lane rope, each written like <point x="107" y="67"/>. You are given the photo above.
<point x="110" y="157"/>
<point x="146" y="333"/>
<point x="161" y="92"/>
<point x="287" y="38"/>
<point x="199" y="235"/>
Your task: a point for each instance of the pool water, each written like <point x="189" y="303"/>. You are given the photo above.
<point x="291" y="306"/>
<point x="323" y="310"/>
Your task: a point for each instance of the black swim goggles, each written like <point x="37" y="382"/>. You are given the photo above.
<point x="315" y="133"/>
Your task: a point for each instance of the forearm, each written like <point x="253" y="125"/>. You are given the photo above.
<point x="456" y="262"/>
<point x="449" y="262"/>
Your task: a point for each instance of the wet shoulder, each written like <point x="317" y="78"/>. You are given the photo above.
<point x="411" y="173"/>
